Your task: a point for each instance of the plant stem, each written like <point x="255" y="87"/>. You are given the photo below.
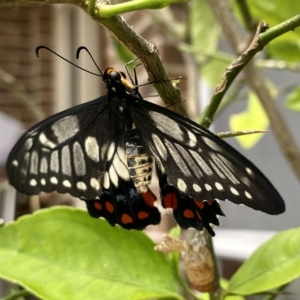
<point x="107" y="11"/>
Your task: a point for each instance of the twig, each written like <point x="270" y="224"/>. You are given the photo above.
<point x="230" y="74"/>
<point x="228" y="134"/>
<point x="249" y="22"/>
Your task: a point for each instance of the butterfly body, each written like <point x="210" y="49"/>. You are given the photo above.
<point x="103" y="152"/>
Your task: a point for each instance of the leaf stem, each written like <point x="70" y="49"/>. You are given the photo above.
<point x="107" y="11"/>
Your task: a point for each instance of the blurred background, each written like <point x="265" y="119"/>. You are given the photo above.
<point x="191" y="45"/>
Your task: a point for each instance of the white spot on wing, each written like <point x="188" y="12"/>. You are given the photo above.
<point x="66" y="183"/>
<point x="43" y="181"/>
<point x="213" y="145"/>
<point x="160" y="146"/>
<point x="215" y="163"/>
<point x="181" y="185"/>
<point x="103" y="151"/>
<point x="197" y="188"/>
<point x="53" y="180"/>
<point x="248" y="195"/>
<point x="66" y="161"/>
<point x="178" y="159"/>
<point x="28" y="144"/>
<point x="66" y="128"/>
<point x="219" y="186"/>
<point x="34" y="163"/>
<point x="81" y="185"/>
<point x="122" y="155"/>
<point x="167" y="125"/>
<point x="119" y="165"/>
<point x="33" y="182"/>
<point x="54" y="163"/>
<point x="246" y="181"/>
<point x="92" y="148"/>
<point x="78" y="160"/>
<point x="111" y="151"/>
<point x="249" y="171"/>
<point x="95" y="184"/>
<point x="45" y="141"/>
<point x="234" y="191"/>
<point x="192" y="139"/>
<point x="208" y="187"/>
<point x="201" y="163"/>
<point x="44" y="165"/>
<point x="224" y="165"/>
<point x="15" y="163"/>
<point x="106" y="182"/>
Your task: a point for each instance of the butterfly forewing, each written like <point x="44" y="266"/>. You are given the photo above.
<point x="66" y="153"/>
<point x="200" y="164"/>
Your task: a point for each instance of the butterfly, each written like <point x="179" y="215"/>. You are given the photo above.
<point x="105" y="152"/>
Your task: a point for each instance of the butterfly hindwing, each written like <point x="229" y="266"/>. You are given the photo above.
<point x="187" y="211"/>
<point x="120" y="202"/>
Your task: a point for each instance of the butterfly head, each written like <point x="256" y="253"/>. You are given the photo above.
<point x="117" y="81"/>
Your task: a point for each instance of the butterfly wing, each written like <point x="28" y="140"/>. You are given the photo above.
<point x="80" y="151"/>
<point x="120" y="202"/>
<point x="201" y="165"/>
<point x="65" y="152"/>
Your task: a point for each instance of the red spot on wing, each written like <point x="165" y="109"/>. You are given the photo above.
<point x="126" y="219"/>
<point x="98" y="206"/>
<point x="142" y="215"/>
<point x="149" y="198"/>
<point x="188" y="214"/>
<point x="170" y="201"/>
<point x="200" y="204"/>
<point x="209" y="202"/>
<point x="109" y="207"/>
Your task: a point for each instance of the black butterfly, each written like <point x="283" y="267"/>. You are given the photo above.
<point x="104" y="152"/>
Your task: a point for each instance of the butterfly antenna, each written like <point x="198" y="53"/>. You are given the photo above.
<point x="91" y="56"/>
<point x="37" y="53"/>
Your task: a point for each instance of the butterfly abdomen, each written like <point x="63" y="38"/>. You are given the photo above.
<point x="139" y="163"/>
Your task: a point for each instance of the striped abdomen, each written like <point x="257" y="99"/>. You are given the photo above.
<point x="139" y="163"/>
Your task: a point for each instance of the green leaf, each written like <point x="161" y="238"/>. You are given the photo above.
<point x="201" y="18"/>
<point x="252" y="118"/>
<point x="123" y="53"/>
<point x="213" y="71"/>
<point x="273" y="264"/>
<point x="293" y="100"/>
<point x="285" y="49"/>
<point x="62" y="253"/>
<point x="274" y="12"/>
<point x="224" y="285"/>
